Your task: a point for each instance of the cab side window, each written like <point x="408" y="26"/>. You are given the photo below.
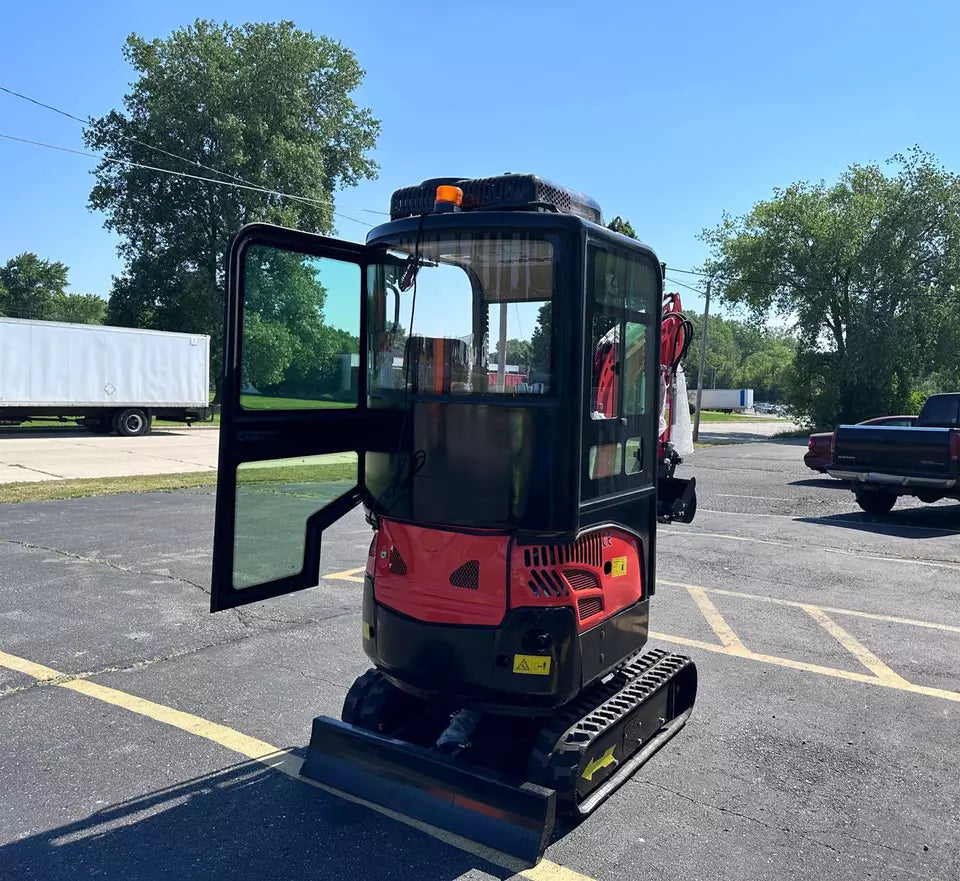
<point x="622" y="300"/>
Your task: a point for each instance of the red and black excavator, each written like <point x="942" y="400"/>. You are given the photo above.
<point x="507" y="587"/>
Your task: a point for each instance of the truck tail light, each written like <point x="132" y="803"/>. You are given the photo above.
<point x="833" y="445"/>
<point x="955" y="448"/>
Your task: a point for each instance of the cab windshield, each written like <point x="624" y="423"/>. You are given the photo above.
<point x="462" y="314"/>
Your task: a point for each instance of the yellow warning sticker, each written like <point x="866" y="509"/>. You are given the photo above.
<point x="367" y="630"/>
<point x="535" y="665"/>
<point x="618" y="567"/>
<point x="595" y="765"/>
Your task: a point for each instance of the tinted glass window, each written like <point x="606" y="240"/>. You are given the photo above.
<point x="301" y="331"/>
<point x="462" y="315"/>
<point x="622" y="299"/>
<point x="941" y="410"/>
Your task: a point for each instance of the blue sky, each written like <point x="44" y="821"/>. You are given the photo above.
<point x="668" y="114"/>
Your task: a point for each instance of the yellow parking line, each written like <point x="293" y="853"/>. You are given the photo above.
<point x="727" y="637"/>
<point x="854" y="646"/>
<point x="692" y="533"/>
<point x="942" y="693"/>
<point x="893" y="619"/>
<point x="264" y="753"/>
<point x="347" y="575"/>
<point x="547" y="871"/>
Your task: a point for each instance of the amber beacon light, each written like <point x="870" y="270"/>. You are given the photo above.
<point x="449" y="197"/>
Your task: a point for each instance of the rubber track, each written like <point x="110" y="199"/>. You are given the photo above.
<point x="562" y="743"/>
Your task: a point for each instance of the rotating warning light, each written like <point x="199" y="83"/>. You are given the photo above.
<point x="451" y="194"/>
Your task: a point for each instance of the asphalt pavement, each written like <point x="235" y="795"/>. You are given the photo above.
<point x="823" y="743"/>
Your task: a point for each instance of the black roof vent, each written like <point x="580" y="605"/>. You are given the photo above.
<point x="505" y="192"/>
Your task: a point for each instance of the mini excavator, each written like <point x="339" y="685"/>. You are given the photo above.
<point x="514" y="508"/>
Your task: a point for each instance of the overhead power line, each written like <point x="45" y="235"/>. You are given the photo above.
<point x="88" y="120"/>
<point x="183" y="174"/>
<point x="687" y="286"/>
<point x="765" y="282"/>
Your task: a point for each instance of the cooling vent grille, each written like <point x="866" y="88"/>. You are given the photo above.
<point x="398" y="566"/>
<point x="588" y="551"/>
<point x="467" y="575"/>
<point x="589" y="606"/>
<point x="582" y="579"/>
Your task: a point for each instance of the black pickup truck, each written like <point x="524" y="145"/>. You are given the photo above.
<point x="881" y="462"/>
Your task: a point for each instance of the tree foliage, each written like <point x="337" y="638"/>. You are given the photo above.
<point x="29" y="285"/>
<point x="287" y="344"/>
<point x="624" y="227"/>
<point x="79" y="309"/>
<point x="742" y="355"/>
<point x="266" y="104"/>
<point x="33" y="288"/>
<point x="868" y="271"/>
<point x="518" y="352"/>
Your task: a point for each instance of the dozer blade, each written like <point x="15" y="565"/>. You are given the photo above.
<point x="514" y="818"/>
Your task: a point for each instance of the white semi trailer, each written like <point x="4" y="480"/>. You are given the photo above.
<point x="108" y="378"/>
<point x="726" y="399"/>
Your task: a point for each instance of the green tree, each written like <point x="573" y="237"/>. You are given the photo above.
<point x="266" y="104"/>
<point x="288" y="346"/>
<point x="518" y="352"/>
<point x="624" y="227"/>
<point x="723" y="357"/>
<point x="769" y="370"/>
<point x="78" y="308"/>
<point x="29" y="285"/>
<point x="540" y="340"/>
<point x="865" y="269"/>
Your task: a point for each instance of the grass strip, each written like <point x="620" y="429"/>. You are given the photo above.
<point x="49" y="490"/>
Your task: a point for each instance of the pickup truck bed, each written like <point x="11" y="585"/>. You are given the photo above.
<point x="882" y="463"/>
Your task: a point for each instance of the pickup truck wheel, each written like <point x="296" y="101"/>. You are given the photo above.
<point x="876" y="502"/>
<point x="131" y="422"/>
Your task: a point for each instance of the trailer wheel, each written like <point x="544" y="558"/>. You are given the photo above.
<point x="131" y="422"/>
<point x="876" y="502"/>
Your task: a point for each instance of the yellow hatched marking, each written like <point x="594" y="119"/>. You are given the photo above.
<point x="934" y="564"/>
<point x="280" y="760"/>
<point x="893" y="619"/>
<point x="776" y="661"/>
<point x="727" y="637"/>
<point x="854" y="646"/>
<point x="347" y="575"/>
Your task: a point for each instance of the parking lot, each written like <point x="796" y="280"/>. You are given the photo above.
<point x="68" y="452"/>
<point x="145" y="738"/>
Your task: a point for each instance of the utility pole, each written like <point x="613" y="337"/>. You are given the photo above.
<point x="703" y="357"/>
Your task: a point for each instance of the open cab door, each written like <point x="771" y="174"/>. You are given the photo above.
<point x="294" y="418"/>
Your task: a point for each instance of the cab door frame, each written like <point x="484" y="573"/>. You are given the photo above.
<point x="248" y="435"/>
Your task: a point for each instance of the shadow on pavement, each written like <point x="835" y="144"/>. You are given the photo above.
<point x="821" y="483"/>
<point x="930" y="521"/>
<point x="244" y="823"/>
<point x="76" y="432"/>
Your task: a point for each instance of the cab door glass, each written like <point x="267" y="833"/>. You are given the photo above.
<point x="301" y="331"/>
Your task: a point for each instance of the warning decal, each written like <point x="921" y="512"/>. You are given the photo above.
<point x="618" y="567"/>
<point x="535" y="665"/>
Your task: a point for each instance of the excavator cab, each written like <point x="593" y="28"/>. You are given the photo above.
<point x="483" y="377"/>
